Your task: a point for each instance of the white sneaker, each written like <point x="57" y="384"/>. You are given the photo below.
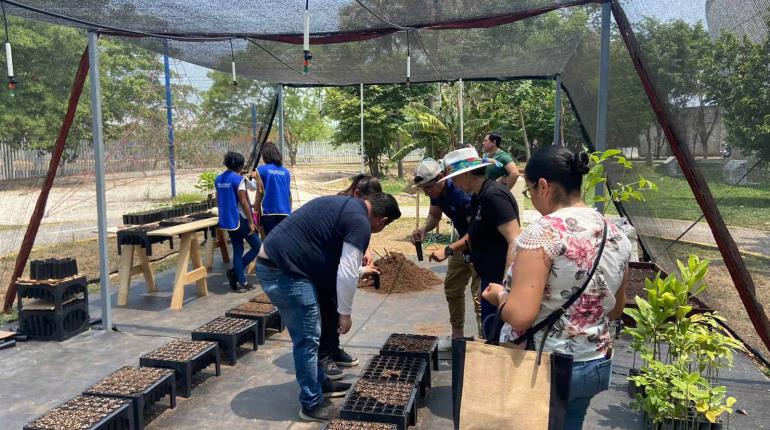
<point x="445" y="343"/>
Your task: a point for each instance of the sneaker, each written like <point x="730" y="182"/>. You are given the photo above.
<point x="230" y="273"/>
<point x="330" y="368"/>
<point x="321" y="413"/>
<point x="342" y="358"/>
<point x="445" y="343"/>
<point x="335" y="389"/>
<point x="243" y="288"/>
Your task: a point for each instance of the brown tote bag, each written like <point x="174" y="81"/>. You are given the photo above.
<point x="501" y="387"/>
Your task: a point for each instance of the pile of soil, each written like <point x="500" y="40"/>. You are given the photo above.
<point x="398" y="274"/>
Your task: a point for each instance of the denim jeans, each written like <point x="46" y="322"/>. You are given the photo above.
<point x="588" y="379"/>
<point x="240" y="261"/>
<point x="296" y="301"/>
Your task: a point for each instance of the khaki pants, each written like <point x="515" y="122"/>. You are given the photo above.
<point x="457" y="276"/>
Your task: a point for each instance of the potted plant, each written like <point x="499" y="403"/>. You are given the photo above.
<point x="677" y="385"/>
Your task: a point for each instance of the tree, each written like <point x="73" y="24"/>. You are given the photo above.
<point x="303" y="119"/>
<point x="738" y="77"/>
<point x="228" y="106"/>
<point x="383" y="114"/>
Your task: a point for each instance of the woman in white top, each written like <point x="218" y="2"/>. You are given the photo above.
<point x="554" y="255"/>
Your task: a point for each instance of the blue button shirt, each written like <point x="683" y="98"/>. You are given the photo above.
<point x="456" y="204"/>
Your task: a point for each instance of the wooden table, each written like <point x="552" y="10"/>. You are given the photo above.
<point x="189" y="251"/>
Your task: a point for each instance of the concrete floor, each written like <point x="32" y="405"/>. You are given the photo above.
<point x="260" y="391"/>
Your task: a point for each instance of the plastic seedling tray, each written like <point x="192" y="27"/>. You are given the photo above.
<point x="229" y="333"/>
<point x="261" y="298"/>
<point x="413" y="345"/>
<point x="368" y="401"/>
<point x="144" y="386"/>
<point x="265" y="314"/>
<point x="138" y="236"/>
<point x="87" y="413"/>
<point x="198" y="356"/>
<point x="51" y="324"/>
<point x="399" y="369"/>
<point x="340" y="424"/>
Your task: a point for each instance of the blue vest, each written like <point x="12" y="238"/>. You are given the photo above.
<point x="227" y="184"/>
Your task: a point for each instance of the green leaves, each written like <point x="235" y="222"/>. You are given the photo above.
<point x="620" y="192"/>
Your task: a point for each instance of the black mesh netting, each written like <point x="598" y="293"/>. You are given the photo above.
<point x="468" y="39"/>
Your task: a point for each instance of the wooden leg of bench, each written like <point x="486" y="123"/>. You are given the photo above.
<point x="124" y="269"/>
<point x="195" y="253"/>
<point x="177" y="296"/>
<point x="222" y="242"/>
<point x="210" y="251"/>
<point x="252" y="267"/>
<point x="149" y="276"/>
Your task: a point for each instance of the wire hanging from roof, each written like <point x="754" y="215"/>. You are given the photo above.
<point x="8" y="53"/>
<point x="306" y="40"/>
<point x="232" y="63"/>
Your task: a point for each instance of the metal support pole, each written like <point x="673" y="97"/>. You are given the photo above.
<point x="169" y="119"/>
<point x="101" y="198"/>
<point x="363" y="156"/>
<point x="254" y="128"/>
<point x="280" y="120"/>
<point x="557" y="114"/>
<point x="604" y="75"/>
<point x="462" y="116"/>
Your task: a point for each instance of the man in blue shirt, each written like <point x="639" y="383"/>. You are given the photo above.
<point x="447" y="199"/>
<point x="236" y="218"/>
<point x="276" y="180"/>
<point x="319" y="250"/>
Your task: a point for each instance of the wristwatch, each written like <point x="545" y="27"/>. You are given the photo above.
<point x="448" y="251"/>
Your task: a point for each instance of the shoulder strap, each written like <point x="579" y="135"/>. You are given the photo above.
<point x="556" y="314"/>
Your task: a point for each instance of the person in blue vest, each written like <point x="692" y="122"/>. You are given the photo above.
<point x="276" y="180"/>
<point x="235" y="216"/>
<point x="319" y="251"/>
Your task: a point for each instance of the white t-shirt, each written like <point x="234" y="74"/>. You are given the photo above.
<point x="246" y="185"/>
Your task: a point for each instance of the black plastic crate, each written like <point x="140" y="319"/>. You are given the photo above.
<point x="339" y="423"/>
<point x="368" y="407"/>
<point x="245" y="330"/>
<point x="55" y="325"/>
<point x="398" y="369"/>
<point x="185" y="367"/>
<point x="265" y="314"/>
<point x="426" y="348"/>
<point x="52" y="292"/>
<point x="157" y="384"/>
<point x="109" y="413"/>
<point x="138" y="236"/>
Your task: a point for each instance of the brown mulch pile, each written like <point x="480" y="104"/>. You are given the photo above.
<point x="398" y="274"/>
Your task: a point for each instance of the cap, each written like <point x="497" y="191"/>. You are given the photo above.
<point x="426" y="171"/>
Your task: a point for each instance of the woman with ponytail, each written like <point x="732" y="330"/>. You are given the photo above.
<point x="566" y="260"/>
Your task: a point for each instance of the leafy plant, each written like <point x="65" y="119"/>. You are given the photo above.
<point x="205" y="184"/>
<point x="683" y="353"/>
<point x="619" y="192"/>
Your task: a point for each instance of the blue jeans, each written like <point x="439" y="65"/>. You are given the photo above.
<point x="296" y="301"/>
<point x="487" y="308"/>
<point x="589" y="378"/>
<point x="240" y="261"/>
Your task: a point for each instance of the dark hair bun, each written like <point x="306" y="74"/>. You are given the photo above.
<point x="580" y="163"/>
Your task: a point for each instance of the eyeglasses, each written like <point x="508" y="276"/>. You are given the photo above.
<point x="526" y="194"/>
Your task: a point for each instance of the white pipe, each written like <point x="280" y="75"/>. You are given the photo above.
<point x="363" y="165"/>
<point x="462" y="120"/>
<point x="408" y="68"/>
<point x="9" y="58"/>
<point x="234" y="79"/>
<point x="306" y="35"/>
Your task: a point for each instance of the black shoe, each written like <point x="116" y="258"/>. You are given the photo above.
<point x="230" y="273"/>
<point x="323" y="412"/>
<point x="335" y="389"/>
<point x="330" y="369"/>
<point x="243" y="288"/>
<point x="343" y="359"/>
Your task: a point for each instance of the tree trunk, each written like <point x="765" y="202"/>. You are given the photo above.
<point x="648" y="136"/>
<point x="400" y="160"/>
<point x="524" y="131"/>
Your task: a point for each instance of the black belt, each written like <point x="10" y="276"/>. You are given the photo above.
<point x="266" y="262"/>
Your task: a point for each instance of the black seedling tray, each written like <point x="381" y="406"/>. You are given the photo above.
<point x="139" y="236"/>
<point x="53" y="268"/>
<point x="121" y="418"/>
<point x="155" y="215"/>
<point x="184" y="370"/>
<point x="229" y="342"/>
<point x="57" y="293"/>
<point x="430" y="355"/>
<point x="362" y="408"/>
<point x="261" y="298"/>
<point x="266" y="321"/>
<point x="55" y="325"/>
<point x="148" y="397"/>
<point x="399" y="369"/>
<point x="358" y="425"/>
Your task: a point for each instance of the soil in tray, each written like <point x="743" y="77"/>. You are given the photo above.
<point x="399" y="274"/>
<point x="130" y="381"/>
<point x="340" y="424"/>
<point x="409" y="343"/>
<point x="179" y="350"/>
<point x="261" y="298"/>
<point x="82" y="412"/>
<point x="253" y="308"/>
<point x="388" y="393"/>
<point x="224" y="325"/>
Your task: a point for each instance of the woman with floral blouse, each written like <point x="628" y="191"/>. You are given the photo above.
<point x="554" y="255"/>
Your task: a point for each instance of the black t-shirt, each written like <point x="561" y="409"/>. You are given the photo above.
<point x="494" y="206"/>
<point x="308" y="243"/>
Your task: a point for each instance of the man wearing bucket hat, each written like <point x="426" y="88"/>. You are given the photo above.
<point x="446" y="198"/>
<point x="494" y="222"/>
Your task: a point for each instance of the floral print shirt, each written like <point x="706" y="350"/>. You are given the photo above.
<point x="571" y="238"/>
